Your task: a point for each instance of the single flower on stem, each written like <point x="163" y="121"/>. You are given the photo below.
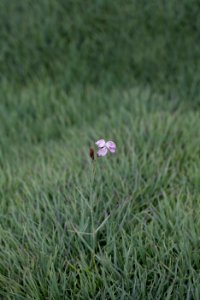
<point x="105" y="147"/>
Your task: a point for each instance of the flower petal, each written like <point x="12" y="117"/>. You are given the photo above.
<point x="100" y="143"/>
<point x="102" y="151"/>
<point x="111" y="146"/>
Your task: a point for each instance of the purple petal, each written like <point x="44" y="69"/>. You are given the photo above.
<point x="102" y="152"/>
<point x="111" y="146"/>
<point x="100" y="143"/>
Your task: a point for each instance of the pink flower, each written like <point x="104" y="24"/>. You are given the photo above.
<point x="105" y="147"/>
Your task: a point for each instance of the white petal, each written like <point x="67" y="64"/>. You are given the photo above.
<point x="111" y="146"/>
<point x="100" y="143"/>
<point x="102" y="152"/>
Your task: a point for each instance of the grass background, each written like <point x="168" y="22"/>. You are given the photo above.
<point x="73" y="72"/>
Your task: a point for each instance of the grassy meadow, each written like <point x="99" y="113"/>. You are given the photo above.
<point x="127" y="226"/>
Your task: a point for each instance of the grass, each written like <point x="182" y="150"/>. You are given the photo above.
<point x="129" y="230"/>
<point x="103" y="44"/>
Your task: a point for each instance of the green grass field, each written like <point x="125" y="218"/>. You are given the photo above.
<point x="73" y="72"/>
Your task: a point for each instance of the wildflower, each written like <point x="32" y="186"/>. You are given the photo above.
<point x="105" y="147"/>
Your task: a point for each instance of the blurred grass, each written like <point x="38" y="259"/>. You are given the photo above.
<point x="73" y="72"/>
<point x="103" y="43"/>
